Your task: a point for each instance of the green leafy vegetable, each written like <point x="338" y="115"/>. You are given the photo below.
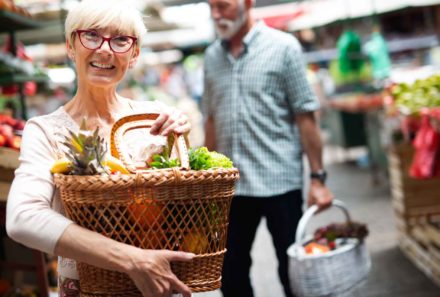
<point x="200" y="158"/>
<point x="160" y="161"/>
<point x="163" y="160"/>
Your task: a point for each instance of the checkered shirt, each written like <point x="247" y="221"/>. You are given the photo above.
<point x="253" y="99"/>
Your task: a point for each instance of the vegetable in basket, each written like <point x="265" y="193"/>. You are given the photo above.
<point x="200" y="158"/>
<point x="325" y="238"/>
<point x="161" y="161"/>
<point x="342" y="230"/>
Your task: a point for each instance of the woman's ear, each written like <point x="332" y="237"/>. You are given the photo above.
<point x="70" y="51"/>
<point x="134" y="58"/>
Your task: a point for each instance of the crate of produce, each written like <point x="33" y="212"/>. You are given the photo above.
<point x="174" y="208"/>
<point x="410" y="196"/>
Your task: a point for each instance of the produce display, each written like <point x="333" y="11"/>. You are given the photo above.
<point x="9" y="5"/>
<point x="21" y="64"/>
<point x="418" y="106"/>
<point x="411" y="99"/>
<point x="332" y="237"/>
<point x="434" y="115"/>
<point x="10" y="129"/>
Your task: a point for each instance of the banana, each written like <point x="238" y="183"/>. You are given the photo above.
<point x="62" y="165"/>
<point x="115" y="165"/>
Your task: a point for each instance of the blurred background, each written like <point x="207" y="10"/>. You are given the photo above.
<point x="373" y="64"/>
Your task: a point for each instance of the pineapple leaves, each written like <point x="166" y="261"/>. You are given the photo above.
<point x="86" y="151"/>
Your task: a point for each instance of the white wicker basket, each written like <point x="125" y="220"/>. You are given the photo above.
<point x="331" y="274"/>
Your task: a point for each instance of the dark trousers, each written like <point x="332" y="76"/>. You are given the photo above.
<point x="282" y="214"/>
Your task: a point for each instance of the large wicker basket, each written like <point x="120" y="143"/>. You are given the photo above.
<point x="175" y="209"/>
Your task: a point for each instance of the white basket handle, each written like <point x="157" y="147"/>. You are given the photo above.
<point x="310" y="212"/>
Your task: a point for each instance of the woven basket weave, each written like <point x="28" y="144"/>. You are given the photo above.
<point x="332" y="274"/>
<point x="175" y="209"/>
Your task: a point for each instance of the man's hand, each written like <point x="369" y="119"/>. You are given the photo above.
<point x="319" y="194"/>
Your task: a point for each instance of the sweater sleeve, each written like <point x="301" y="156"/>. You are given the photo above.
<point x="30" y="218"/>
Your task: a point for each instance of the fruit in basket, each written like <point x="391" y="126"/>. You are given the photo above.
<point x="115" y="165"/>
<point x="313" y="248"/>
<point x="145" y="212"/>
<point x="200" y="158"/>
<point x="86" y="151"/>
<point x="195" y="242"/>
<point x="62" y="165"/>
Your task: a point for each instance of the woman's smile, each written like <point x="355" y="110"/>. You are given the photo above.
<point x="102" y="66"/>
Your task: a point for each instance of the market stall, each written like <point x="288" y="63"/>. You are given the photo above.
<point x="17" y="75"/>
<point x="414" y="162"/>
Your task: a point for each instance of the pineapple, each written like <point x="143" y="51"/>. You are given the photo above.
<point x="86" y="151"/>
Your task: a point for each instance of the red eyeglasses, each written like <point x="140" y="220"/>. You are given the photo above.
<point x="92" y="40"/>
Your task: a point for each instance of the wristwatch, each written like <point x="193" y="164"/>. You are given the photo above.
<point x="320" y="175"/>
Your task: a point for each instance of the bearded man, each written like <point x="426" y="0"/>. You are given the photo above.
<point x="260" y="110"/>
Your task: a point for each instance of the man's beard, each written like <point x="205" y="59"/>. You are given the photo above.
<point x="226" y="28"/>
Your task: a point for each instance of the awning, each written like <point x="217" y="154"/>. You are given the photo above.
<point x="281" y="21"/>
<point x="278" y="16"/>
<point x="322" y="12"/>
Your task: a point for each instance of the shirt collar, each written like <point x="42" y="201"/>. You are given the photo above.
<point x="253" y="33"/>
<point x="249" y="37"/>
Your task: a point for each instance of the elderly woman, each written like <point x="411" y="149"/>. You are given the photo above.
<point x="103" y="39"/>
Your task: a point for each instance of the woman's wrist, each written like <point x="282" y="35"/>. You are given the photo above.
<point x="120" y="257"/>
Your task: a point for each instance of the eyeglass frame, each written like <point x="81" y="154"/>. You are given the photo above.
<point x="104" y="39"/>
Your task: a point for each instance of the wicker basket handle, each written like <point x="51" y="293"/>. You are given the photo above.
<point x="310" y="212"/>
<point x="141" y="121"/>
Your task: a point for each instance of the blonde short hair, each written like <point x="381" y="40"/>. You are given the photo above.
<point x="99" y="14"/>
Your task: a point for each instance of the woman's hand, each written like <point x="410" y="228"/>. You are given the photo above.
<point x="172" y="120"/>
<point x="151" y="272"/>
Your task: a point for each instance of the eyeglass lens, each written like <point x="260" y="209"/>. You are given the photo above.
<point x="94" y="40"/>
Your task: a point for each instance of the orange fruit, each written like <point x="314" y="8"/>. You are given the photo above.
<point x="146" y="213"/>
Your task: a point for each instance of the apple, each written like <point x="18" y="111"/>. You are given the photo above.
<point x="9" y="121"/>
<point x="14" y="142"/>
<point x="6" y="131"/>
<point x="2" y="140"/>
<point x="19" y="125"/>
